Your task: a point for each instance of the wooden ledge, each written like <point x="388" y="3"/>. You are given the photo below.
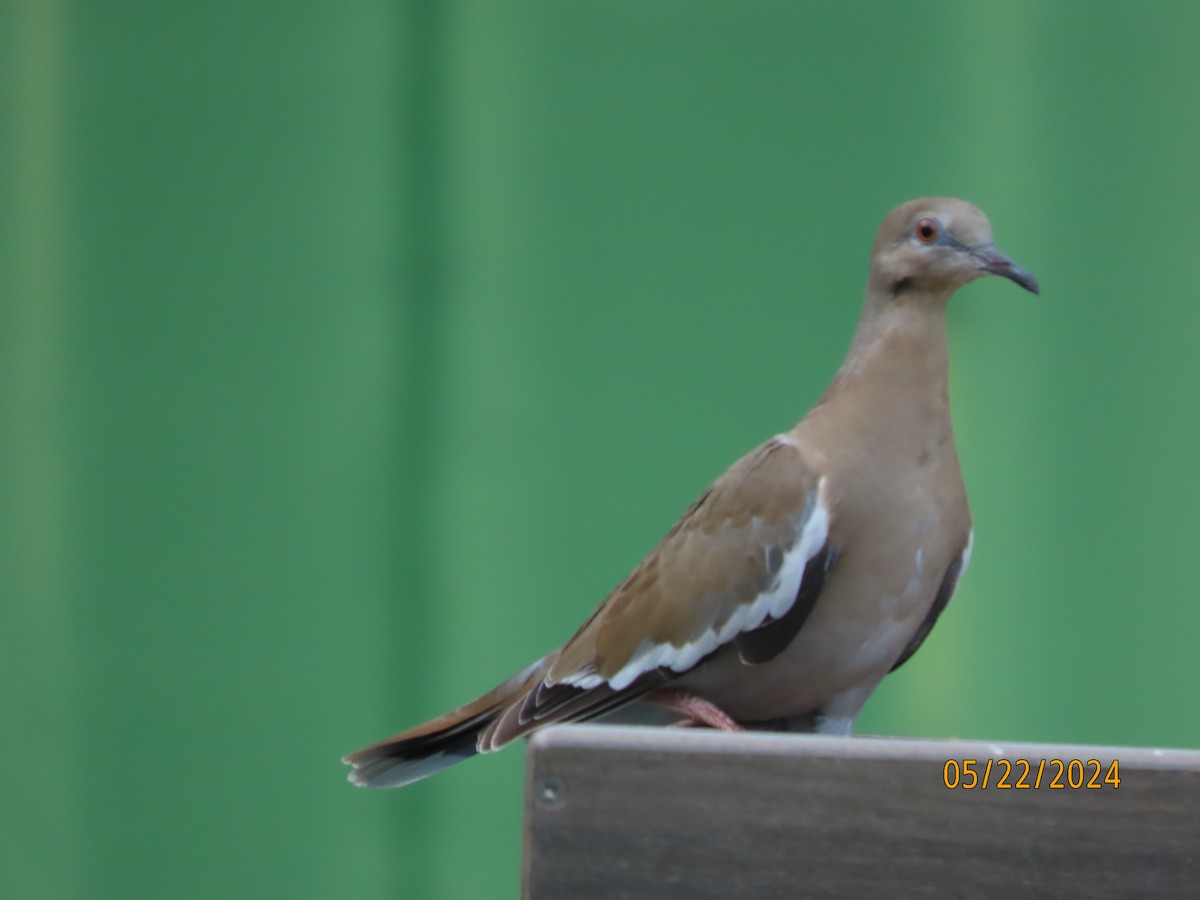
<point x="676" y="813"/>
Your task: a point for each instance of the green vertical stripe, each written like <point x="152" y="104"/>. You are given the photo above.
<point x="38" y="655"/>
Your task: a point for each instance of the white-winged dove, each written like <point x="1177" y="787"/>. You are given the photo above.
<point x="812" y="568"/>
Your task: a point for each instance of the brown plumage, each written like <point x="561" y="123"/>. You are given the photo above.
<point x="814" y="566"/>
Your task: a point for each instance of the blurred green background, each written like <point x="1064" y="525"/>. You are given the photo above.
<point x="351" y="352"/>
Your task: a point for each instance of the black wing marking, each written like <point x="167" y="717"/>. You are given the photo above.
<point x="768" y="640"/>
<point x="944" y="592"/>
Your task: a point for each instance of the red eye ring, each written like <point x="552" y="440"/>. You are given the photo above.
<point x="927" y="230"/>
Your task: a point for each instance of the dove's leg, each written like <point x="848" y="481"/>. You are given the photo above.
<point x="698" y="710"/>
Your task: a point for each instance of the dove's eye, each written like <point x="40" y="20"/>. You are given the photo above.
<point x="927" y="231"/>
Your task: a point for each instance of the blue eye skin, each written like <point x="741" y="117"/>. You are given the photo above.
<point x="927" y="230"/>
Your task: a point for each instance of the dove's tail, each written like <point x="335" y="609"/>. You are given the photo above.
<point x="437" y="744"/>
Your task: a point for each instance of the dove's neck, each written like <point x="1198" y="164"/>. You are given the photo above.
<point x="898" y="360"/>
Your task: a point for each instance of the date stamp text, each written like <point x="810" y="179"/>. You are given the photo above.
<point x="1026" y="774"/>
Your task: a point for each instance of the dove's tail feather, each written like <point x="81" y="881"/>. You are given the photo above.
<point x="438" y="744"/>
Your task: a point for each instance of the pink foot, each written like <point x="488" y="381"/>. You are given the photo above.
<point x="698" y="710"/>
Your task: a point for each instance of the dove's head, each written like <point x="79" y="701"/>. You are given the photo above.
<point x="936" y="244"/>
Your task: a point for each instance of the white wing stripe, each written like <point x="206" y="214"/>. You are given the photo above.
<point x="774" y="602"/>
